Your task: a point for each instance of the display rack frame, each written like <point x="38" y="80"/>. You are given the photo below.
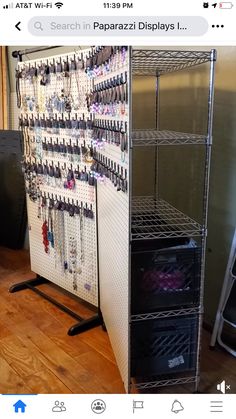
<point x="141" y="217"/>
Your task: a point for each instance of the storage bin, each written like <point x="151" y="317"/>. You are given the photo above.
<point x="164" y="346"/>
<point x="164" y="278"/>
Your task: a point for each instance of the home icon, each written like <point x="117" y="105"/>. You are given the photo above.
<point x="19" y="406"/>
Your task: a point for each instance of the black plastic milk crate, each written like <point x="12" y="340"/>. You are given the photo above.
<point x="164" y="278"/>
<point x="164" y="346"/>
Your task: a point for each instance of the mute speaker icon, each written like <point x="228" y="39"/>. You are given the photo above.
<point x="223" y="387"/>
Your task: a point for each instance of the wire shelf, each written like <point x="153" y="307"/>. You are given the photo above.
<point x="166" y="314"/>
<point x="156" y="219"/>
<point x="152" y="137"/>
<point x="157" y="62"/>
<point x="164" y="383"/>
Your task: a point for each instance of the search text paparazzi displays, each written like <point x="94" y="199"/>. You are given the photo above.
<point x="117" y="26"/>
<point x="133" y="26"/>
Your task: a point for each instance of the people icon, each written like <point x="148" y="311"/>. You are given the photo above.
<point x="63" y="409"/>
<point x="59" y="407"/>
<point x="98" y="406"/>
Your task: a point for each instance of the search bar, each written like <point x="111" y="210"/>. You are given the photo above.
<point x="118" y="26"/>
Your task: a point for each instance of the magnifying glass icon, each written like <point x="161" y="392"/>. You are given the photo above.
<point x="38" y="26"/>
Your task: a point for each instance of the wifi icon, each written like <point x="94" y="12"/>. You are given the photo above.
<point x="58" y="4"/>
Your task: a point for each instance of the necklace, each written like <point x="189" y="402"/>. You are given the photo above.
<point x="59" y="237"/>
<point x="50" y="223"/>
<point x="90" y="284"/>
<point x="45" y="225"/>
<point x="72" y="249"/>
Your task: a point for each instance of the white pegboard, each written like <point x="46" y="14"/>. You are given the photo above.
<point x="50" y="265"/>
<point x="82" y="192"/>
<point x="47" y="264"/>
<point x="113" y="240"/>
<point x="77" y="85"/>
<point x="113" y="152"/>
<point x="121" y="117"/>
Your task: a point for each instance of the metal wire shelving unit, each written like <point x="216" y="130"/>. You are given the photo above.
<point x="151" y="62"/>
<point x="164" y="314"/>
<point x="157" y="219"/>
<point x="153" y="218"/>
<point x="154" y="137"/>
<point x="163" y="383"/>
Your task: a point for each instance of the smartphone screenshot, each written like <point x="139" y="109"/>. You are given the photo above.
<point x="117" y="209"/>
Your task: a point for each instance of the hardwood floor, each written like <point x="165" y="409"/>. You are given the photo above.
<point x="37" y="355"/>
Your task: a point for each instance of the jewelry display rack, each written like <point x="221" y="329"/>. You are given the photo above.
<point x="58" y="97"/>
<point x="63" y="242"/>
<point x="150" y="255"/>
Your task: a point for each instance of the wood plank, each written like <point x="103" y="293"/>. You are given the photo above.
<point x="65" y="320"/>
<point x="10" y="381"/>
<point x="77" y="378"/>
<point x="42" y="318"/>
<point x="43" y="331"/>
<point x="19" y="357"/>
<point x="67" y="369"/>
<point x="73" y="346"/>
<point x="45" y="382"/>
<point x="35" y="308"/>
<point x="24" y="305"/>
<point x="94" y="362"/>
<point x="117" y="387"/>
<point x="4" y="331"/>
<point x="99" y="340"/>
<point x="26" y="331"/>
<point x="10" y="312"/>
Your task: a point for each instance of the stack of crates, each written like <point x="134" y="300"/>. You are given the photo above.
<point x="165" y="277"/>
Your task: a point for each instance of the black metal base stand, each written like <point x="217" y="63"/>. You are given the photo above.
<point x="82" y="326"/>
<point x="86" y="324"/>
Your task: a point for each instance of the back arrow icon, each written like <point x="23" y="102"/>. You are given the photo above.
<point x="17" y="26"/>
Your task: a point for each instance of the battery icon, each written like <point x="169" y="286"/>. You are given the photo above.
<point x="226" y="5"/>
